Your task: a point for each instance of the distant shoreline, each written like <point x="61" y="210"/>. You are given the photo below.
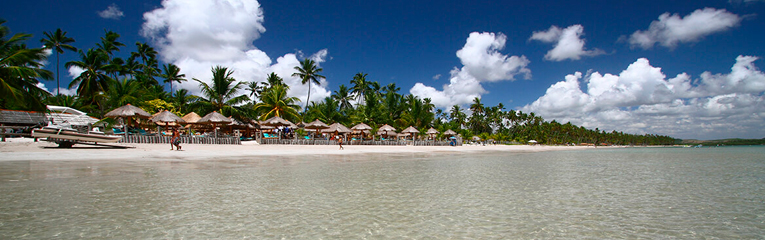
<point x="28" y="150"/>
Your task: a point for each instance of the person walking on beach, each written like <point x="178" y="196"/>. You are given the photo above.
<point x="340" y="142"/>
<point x="175" y="140"/>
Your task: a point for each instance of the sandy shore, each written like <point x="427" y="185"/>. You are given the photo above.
<point x="26" y="149"/>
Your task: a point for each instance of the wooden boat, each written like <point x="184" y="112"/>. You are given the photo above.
<point x="67" y="138"/>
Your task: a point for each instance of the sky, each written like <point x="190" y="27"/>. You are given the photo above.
<point x="687" y="69"/>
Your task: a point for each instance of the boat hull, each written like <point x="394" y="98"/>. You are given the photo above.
<point x="74" y="136"/>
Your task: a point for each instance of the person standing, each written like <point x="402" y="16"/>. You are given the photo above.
<point x="340" y="142"/>
<point x="175" y="140"/>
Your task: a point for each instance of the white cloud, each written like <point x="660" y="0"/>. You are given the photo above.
<point x="568" y="43"/>
<point x="75" y="71"/>
<point x="209" y="40"/>
<point x="670" y="30"/>
<point x="642" y="100"/>
<point x="111" y="12"/>
<point x="437" y="76"/>
<point x="482" y="62"/>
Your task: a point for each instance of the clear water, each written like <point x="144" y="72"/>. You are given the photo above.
<point x="612" y="193"/>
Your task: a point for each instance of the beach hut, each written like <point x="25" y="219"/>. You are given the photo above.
<point x="129" y="112"/>
<point x="411" y="130"/>
<point x="214" y="118"/>
<point x="316" y="126"/>
<point x="450" y="133"/>
<point x="361" y="128"/>
<point x="277" y="122"/>
<point x="432" y="133"/>
<point x="167" y="118"/>
<point x="386" y="130"/>
<point x="337" y="129"/>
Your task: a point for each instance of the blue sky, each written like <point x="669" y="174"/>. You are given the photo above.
<point x="526" y="55"/>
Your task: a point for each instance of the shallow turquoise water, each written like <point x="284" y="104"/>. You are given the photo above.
<point x="605" y="193"/>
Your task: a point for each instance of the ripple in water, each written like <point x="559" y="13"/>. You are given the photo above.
<point x="613" y="193"/>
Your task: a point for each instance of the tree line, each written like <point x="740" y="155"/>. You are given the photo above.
<point x="109" y="81"/>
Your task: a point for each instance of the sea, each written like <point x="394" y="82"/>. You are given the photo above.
<point x="605" y="193"/>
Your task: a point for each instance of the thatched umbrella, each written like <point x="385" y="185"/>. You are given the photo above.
<point x="336" y="128"/>
<point x="450" y="133"/>
<point x="411" y="130"/>
<point x="215" y="118"/>
<point x="167" y="118"/>
<point x="386" y="130"/>
<point x="361" y="127"/>
<point x="128" y="111"/>
<point x="432" y="132"/>
<point x="277" y="121"/>
<point x="317" y="125"/>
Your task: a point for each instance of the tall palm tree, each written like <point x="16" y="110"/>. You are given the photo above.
<point x="58" y="42"/>
<point x="308" y="72"/>
<point x="144" y="52"/>
<point x="172" y="74"/>
<point x="273" y="80"/>
<point x="93" y="81"/>
<point x="221" y="95"/>
<point x="255" y="89"/>
<point x="343" y="96"/>
<point x="360" y="86"/>
<point x="275" y="102"/>
<point x="109" y="43"/>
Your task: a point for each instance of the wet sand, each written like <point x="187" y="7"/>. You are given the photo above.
<point x="26" y="149"/>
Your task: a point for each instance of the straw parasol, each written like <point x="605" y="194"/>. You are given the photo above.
<point x="361" y="127"/>
<point x="167" y="118"/>
<point x="450" y="133"/>
<point x="316" y="126"/>
<point x="411" y="130"/>
<point x="386" y="130"/>
<point x="337" y="128"/>
<point x="215" y="118"/>
<point x="476" y="138"/>
<point x="432" y="132"/>
<point x="128" y="111"/>
<point x="277" y="121"/>
<point x="192" y="117"/>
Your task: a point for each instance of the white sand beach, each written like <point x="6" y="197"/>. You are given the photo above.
<point x="16" y="149"/>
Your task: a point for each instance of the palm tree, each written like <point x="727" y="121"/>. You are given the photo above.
<point x="273" y="80"/>
<point x="308" y="72"/>
<point x="145" y="52"/>
<point x="255" y="89"/>
<point x="20" y="68"/>
<point x="109" y="43"/>
<point x="172" y="74"/>
<point x="221" y="95"/>
<point x="124" y="92"/>
<point x="343" y="96"/>
<point x="275" y="102"/>
<point x="93" y="81"/>
<point x="58" y="42"/>
<point x="360" y="86"/>
<point x="181" y="99"/>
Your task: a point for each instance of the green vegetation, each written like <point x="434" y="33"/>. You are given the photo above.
<point x="108" y="82"/>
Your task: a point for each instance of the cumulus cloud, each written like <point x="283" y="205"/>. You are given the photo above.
<point x="111" y="12"/>
<point x="75" y="71"/>
<point x="568" y="43"/>
<point x="482" y="62"/>
<point x="209" y="40"/>
<point x="671" y="30"/>
<point x="437" y="76"/>
<point x="641" y="99"/>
